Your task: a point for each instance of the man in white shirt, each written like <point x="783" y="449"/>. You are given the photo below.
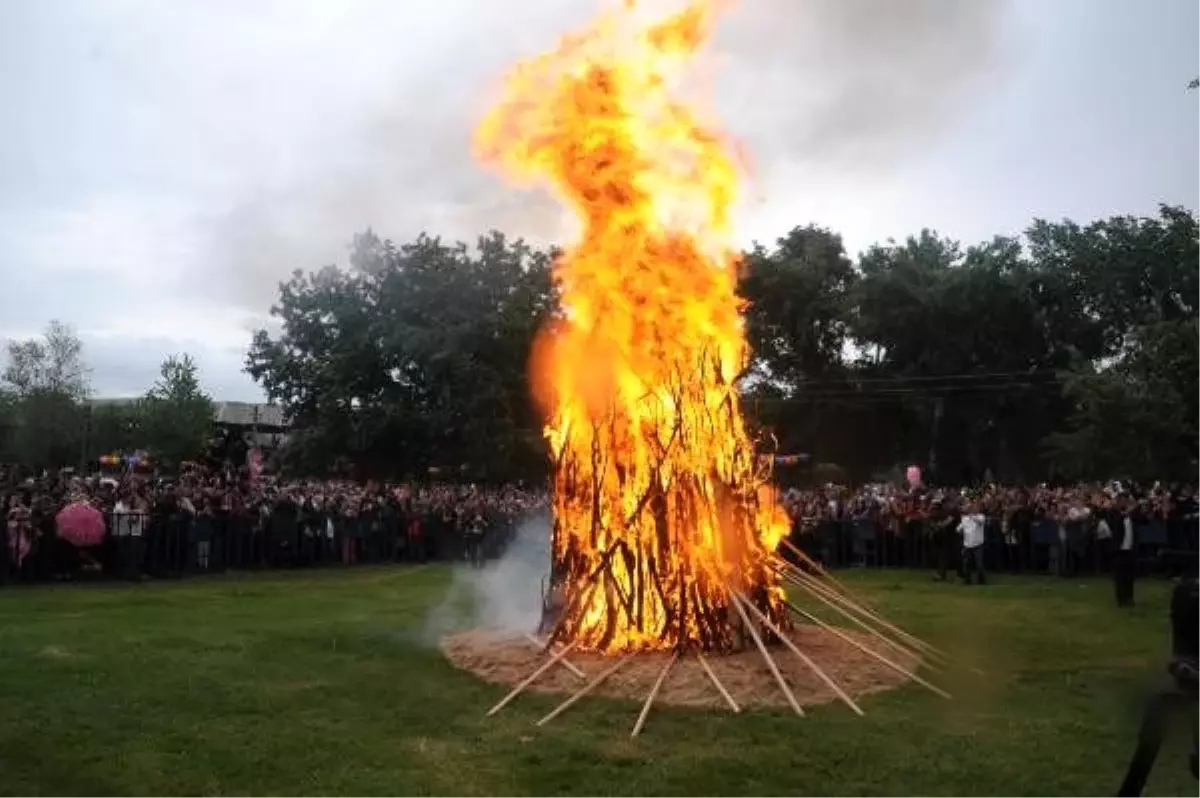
<point x="971" y="528"/>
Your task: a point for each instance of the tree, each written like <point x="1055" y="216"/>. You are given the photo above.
<point x="52" y="364"/>
<point x="1012" y="356"/>
<point x="414" y="357"/>
<point x="1136" y="418"/>
<point x="46" y="381"/>
<point x="9" y="424"/>
<point x="113" y="427"/>
<point x="797" y="295"/>
<point x="176" y="416"/>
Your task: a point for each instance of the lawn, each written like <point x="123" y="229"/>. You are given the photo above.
<point x="324" y="683"/>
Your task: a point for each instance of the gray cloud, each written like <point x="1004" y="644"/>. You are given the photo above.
<point x="854" y="84"/>
<point x="840" y="84"/>
<point x="128" y="365"/>
<point x="163" y="166"/>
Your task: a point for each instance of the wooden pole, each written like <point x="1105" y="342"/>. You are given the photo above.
<point x="861" y="608"/>
<point x="853" y="618"/>
<point x="904" y="641"/>
<point x="830" y="628"/>
<point x="566" y="663"/>
<point x="787" y="691"/>
<point x="814" y="667"/>
<point x="658" y="683"/>
<point x="587" y="688"/>
<point x="717" y="682"/>
<point x="915" y="642"/>
<point x="912" y="640"/>
<point x="818" y="567"/>
<point x="545" y="666"/>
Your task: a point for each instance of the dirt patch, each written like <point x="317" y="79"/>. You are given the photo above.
<point x="508" y="660"/>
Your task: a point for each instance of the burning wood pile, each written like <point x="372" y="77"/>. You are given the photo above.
<point x="666" y="526"/>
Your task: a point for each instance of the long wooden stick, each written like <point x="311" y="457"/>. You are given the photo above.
<point x="858" y="613"/>
<point x="854" y="619"/>
<point x="545" y="666"/>
<point x="912" y="640"/>
<point x="658" y="683"/>
<point x="787" y="691"/>
<point x="566" y="663"/>
<point x="899" y="669"/>
<point x="587" y="688"/>
<point x="717" y="683"/>
<point x="807" y="660"/>
<point x="930" y="651"/>
<point x="820" y="569"/>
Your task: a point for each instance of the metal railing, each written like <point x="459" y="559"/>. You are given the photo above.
<point x="1044" y="547"/>
<point x="179" y="544"/>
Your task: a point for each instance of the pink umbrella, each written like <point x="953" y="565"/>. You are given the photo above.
<point x="80" y="524"/>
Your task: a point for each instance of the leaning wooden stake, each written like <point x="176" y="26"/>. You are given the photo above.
<point x="531" y="678"/>
<point x="658" y="683"/>
<point x="899" y="669"/>
<point x="930" y="651"/>
<point x="587" y="688"/>
<point x="717" y="683"/>
<point x="910" y="639"/>
<point x="853" y="618"/>
<point x="814" y="667"/>
<point x="566" y="663"/>
<point x="783" y="685"/>
<point x="822" y="571"/>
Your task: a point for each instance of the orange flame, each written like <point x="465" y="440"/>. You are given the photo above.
<point x="660" y="510"/>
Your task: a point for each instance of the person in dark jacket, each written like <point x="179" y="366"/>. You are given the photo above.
<point x="1128" y="517"/>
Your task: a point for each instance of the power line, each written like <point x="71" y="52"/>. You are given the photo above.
<point x="1027" y="374"/>
<point x="879" y="390"/>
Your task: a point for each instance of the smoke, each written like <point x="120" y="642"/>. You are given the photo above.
<point x="853" y="84"/>
<point x="811" y="88"/>
<point x="505" y="596"/>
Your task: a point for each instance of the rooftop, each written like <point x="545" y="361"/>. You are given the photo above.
<point x="239" y="414"/>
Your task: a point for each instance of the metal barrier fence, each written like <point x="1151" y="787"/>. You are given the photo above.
<point x="1045" y="547"/>
<point x="180" y="545"/>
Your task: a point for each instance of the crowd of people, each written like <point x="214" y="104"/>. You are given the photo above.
<point x="1063" y="529"/>
<point x="203" y="521"/>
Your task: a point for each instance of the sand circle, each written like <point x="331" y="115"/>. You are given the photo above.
<point x="509" y="660"/>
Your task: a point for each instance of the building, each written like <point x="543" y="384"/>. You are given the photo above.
<point x="262" y="425"/>
<point x="259" y="424"/>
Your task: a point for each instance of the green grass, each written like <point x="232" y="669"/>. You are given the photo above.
<point x="322" y="684"/>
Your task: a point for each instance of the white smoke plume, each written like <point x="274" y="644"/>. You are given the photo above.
<point x="505" y="596"/>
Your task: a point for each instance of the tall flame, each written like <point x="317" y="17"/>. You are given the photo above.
<point x="660" y="509"/>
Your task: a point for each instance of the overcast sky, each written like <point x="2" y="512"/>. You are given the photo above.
<point x="164" y="164"/>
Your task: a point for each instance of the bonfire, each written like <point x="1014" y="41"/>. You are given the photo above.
<point x="666" y="526"/>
